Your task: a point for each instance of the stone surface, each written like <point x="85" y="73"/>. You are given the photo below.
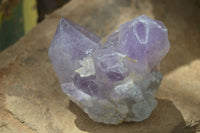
<point x="115" y="81"/>
<point x="30" y="98"/>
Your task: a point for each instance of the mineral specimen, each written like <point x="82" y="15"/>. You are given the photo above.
<point x="115" y="81"/>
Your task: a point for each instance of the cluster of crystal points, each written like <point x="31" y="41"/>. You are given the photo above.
<point x="115" y="81"/>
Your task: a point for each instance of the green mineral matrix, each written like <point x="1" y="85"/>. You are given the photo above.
<point x="115" y="81"/>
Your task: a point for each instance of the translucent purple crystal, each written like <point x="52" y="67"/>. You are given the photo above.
<point x="115" y="81"/>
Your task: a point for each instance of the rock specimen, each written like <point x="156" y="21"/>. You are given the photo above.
<point x="115" y="81"/>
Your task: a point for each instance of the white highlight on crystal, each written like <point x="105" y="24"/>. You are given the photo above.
<point x="127" y="84"/>
<point x="87" y="68"/>
<point x="146" y="32"/>
<point x="128" y="87"/>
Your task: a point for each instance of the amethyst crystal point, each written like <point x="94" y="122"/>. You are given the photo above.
<point x="116" y="81"/>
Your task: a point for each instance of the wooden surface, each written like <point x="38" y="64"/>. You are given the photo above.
<point x="31" y="99"/>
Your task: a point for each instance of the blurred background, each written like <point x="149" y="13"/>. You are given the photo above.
<point x="31" y="100"/>
<point x="18" y="17"/>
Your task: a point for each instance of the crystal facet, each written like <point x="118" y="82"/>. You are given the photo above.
<point x="115" y="81"/>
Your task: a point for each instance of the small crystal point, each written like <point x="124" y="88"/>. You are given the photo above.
<point x="116" y="81"/>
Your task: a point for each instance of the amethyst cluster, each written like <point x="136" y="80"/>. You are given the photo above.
<point x="115" y="81"/>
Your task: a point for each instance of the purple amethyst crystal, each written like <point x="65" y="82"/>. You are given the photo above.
<point x="115" y="81"/>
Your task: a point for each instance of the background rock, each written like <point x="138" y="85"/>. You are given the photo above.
<point x="32" y="99"/>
